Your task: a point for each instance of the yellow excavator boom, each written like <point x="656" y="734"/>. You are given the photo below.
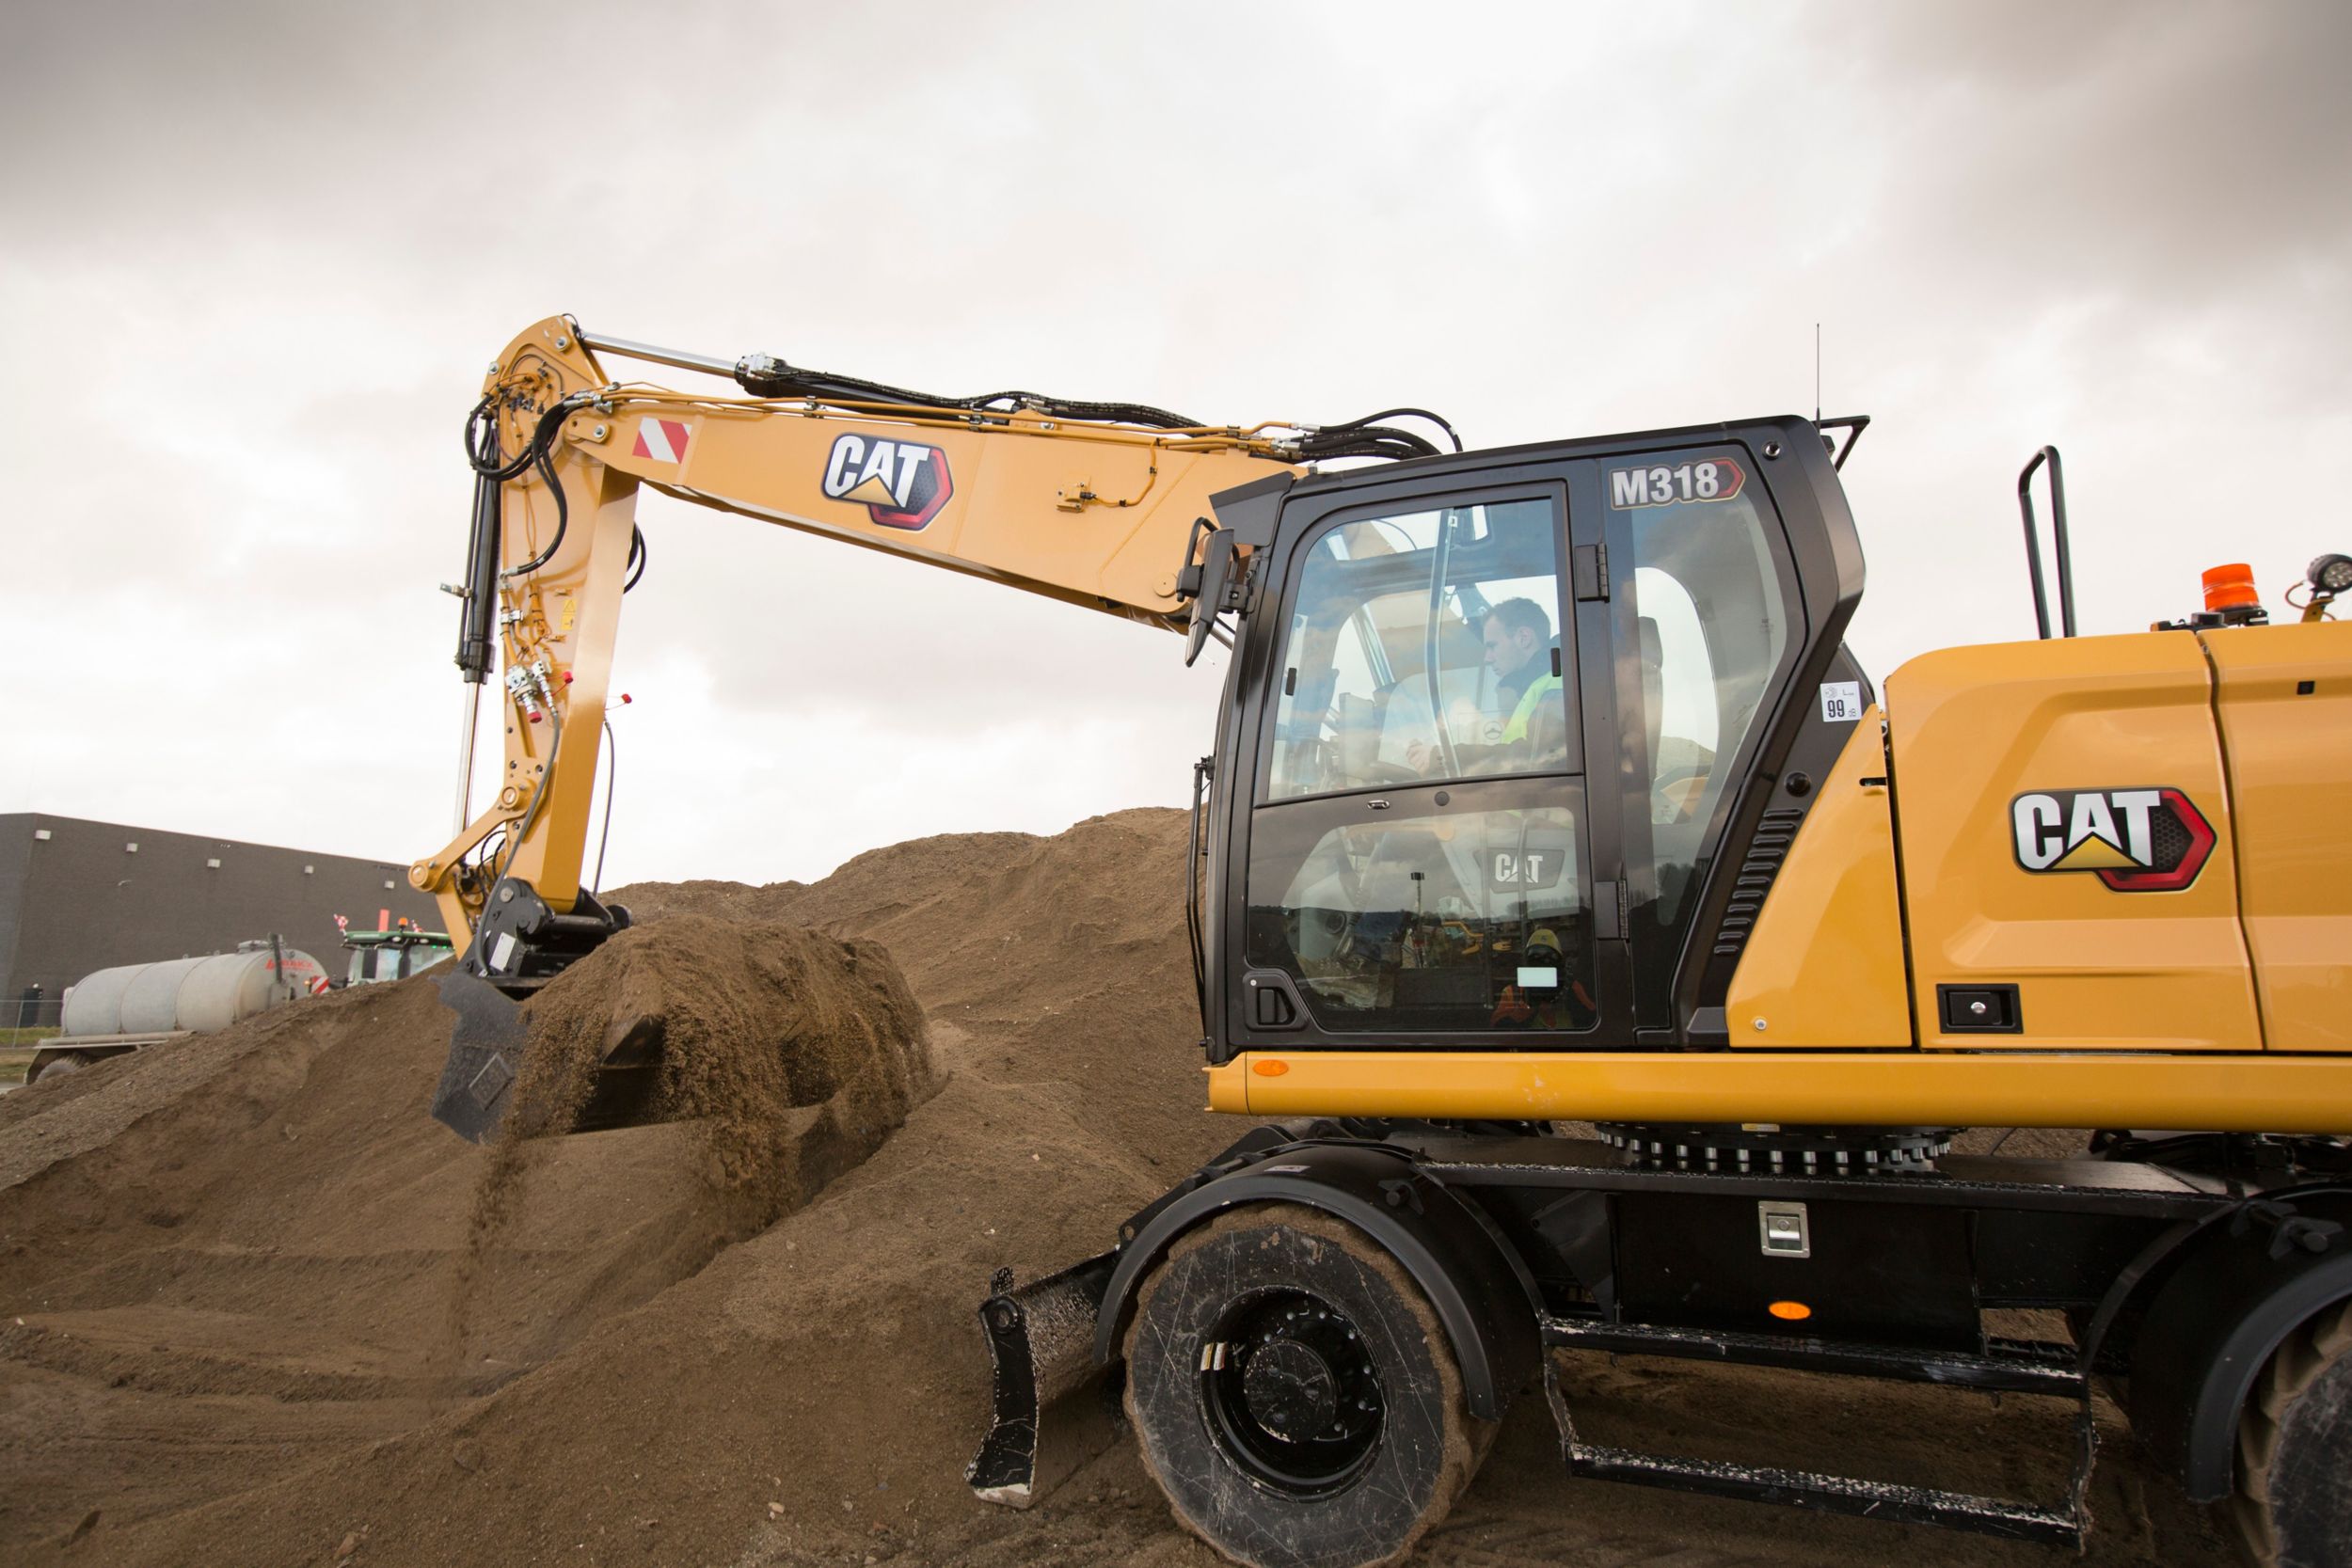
<point x="1095" y="511"/>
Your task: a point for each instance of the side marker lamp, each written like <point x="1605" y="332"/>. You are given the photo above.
<point x="1790" y="1311"/>
<point x="1269" y="1069"/>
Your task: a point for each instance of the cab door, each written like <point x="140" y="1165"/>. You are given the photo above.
<point x="1417" y="864"/>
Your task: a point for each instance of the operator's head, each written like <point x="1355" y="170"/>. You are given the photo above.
<point x="1517" y="630"/>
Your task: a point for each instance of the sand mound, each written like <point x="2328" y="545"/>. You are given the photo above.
<point x="260" y="1244"/>
<point x="810" y="1394"/>
<point x="794" y="1055"/>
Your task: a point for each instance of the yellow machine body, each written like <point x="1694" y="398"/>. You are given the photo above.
<point x="2221" y="1004"/>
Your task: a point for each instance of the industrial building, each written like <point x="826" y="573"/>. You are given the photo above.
<point x="77" y="896"/>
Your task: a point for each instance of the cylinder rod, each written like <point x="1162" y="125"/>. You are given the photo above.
<point x="465" y="754"/>
<point x="655" y="355"/>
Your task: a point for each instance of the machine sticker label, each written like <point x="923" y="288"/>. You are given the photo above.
<point x="664" y="440"/>
<point x="1718" y="478"/>
<point x="1842" y="702"/>
<point x="2149" y="840"/>
<point x="903" y="483"/>
<point x="1534" y="868"/>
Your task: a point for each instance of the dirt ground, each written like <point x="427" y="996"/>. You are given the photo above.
<point x="257" y="1308"/>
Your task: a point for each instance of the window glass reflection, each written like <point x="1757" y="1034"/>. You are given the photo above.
<point x="1460" y="920"/>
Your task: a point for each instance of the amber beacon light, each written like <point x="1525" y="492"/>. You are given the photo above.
<point x="2227" y="587"/>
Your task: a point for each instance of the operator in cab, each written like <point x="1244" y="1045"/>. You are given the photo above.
<point x="1517" y="634"/>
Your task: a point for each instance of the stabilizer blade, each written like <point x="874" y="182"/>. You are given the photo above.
<point x="1055" y="1408"/>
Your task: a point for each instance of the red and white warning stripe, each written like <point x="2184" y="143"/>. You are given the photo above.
<point x="318" y="985"/>
<point x="664" y="440"/>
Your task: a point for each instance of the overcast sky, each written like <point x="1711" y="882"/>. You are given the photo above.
<point x="253" y="260"/>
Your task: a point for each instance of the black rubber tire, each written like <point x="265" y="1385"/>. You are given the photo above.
<point x="57" y="1067"/>
<point x="2295" y="1450"/>
<point x="1428" y="1445"/>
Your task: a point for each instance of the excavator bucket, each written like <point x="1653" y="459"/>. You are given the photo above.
<point x="1055" y="1408"/>
<point x="476" y="1098"/>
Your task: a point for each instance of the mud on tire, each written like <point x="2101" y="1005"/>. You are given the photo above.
<point x="2295" y="1450"/>
<point x="1295" y="1395"/>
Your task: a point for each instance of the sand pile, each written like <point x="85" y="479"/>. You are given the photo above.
<point x="262" y="1245"/>
<point x="810" y="1394"/>
<point x="793" y="1055"/>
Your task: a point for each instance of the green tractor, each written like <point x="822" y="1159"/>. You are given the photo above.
<point x="396" y="954"/>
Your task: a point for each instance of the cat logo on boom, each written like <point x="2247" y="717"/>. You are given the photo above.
<point x="2150" y="840"/>
<point x="903" y="483"/>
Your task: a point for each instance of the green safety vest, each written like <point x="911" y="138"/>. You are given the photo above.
<point x="1537" y="692"/>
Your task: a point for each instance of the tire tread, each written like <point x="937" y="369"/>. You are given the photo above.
<point x="2306" y="1356"/>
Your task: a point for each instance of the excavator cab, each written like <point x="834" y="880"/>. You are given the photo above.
<point x="1574" y="691"/>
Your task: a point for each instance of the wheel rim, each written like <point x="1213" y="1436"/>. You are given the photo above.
<point x="1291" y="1394"/>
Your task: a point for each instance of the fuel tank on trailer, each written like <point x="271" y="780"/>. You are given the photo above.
<point x="200" y="993"/>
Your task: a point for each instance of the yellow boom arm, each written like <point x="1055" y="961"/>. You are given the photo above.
<point x="1096" y="512"/>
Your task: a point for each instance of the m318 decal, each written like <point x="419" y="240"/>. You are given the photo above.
<point x="2146" y="840"/>
<point x="1716" y="479"/>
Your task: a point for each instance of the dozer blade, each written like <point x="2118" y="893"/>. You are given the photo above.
<point x="1055" y="1408"/>
<point x="485" y="1063"/>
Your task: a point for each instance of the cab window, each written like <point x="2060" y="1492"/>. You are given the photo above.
<point x="1444" y="920"/>
<point x="1418" y="863"/>
<point x="1424" y="645"/>
<point x="1712" y="625"/>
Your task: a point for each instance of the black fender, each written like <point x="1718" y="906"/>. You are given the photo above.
<point x="1483" y="1295"/>
<point x="2245" y="1286"/>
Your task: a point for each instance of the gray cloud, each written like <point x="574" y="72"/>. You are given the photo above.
<point x="255" y="257"/>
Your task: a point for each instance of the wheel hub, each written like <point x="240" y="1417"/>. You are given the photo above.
<point x="1291" y="1393"/>
<point x="1289" y="1389"/>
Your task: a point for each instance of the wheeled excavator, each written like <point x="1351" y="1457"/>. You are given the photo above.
<point x="1608" y="960"/>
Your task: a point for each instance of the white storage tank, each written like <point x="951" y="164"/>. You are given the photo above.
<point x="200" y="994"/>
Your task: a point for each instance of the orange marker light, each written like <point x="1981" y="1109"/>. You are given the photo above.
<point x="1790" y="1311"/>
<point x="1269" y="1069"/>
<point x="2234" y="584"/>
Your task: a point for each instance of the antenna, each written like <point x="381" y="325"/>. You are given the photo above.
<point x="1816" y="372"/>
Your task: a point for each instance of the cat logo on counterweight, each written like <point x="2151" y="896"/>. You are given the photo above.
<point x="2150" y="840"/>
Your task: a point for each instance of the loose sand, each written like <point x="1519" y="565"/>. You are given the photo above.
<point x="250" y="1332"/>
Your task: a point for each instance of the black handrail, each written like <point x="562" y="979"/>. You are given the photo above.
<point x="2033" y="544"/>
<point x="1202" y="771"/>
<point x="1853" y="426"/>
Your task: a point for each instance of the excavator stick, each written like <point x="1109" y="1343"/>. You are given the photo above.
<point x="477" y="1095"/>
<point x="1054" y="1409"/>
